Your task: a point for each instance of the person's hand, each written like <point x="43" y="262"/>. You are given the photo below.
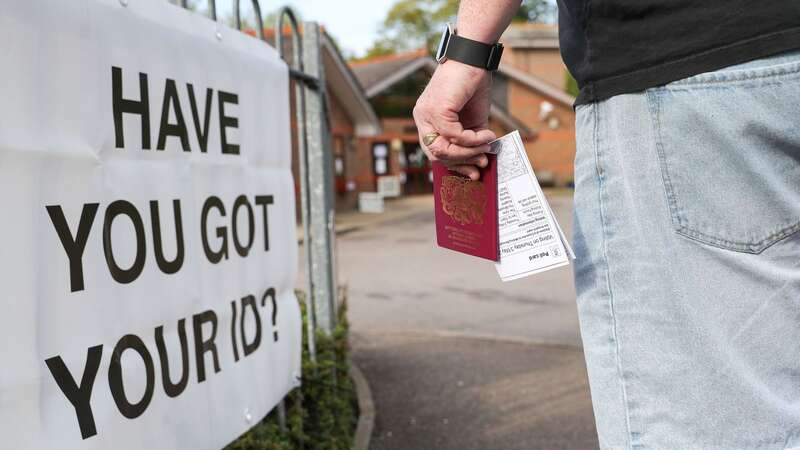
<point x="455" y="104"/>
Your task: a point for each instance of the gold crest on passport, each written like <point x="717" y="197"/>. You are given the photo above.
<point x="463" y="199"/>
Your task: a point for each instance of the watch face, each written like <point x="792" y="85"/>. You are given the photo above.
<point x="442" y="50"/>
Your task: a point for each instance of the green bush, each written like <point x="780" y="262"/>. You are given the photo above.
<point x="322" y="413"/>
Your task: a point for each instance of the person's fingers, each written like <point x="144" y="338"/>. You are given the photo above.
<point x="424" y="128"/>
<point x="480" y="161"/>
<point x="466" y="170"/>
<point x="452" y="130"/>
<point x="454" y="144"/>
<point x="471" y="138"/>
<point x="444" y="150"/>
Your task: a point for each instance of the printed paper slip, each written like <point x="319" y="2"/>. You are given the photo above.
<point x="531" y="240"/>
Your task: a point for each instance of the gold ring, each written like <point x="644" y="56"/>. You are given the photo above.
<point x="429" y="138"/>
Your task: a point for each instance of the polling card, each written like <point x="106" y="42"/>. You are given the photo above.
<point x="531" y="240"/>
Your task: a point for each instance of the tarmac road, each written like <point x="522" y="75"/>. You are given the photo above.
<point x="398" y="279"/>
<point x="457" y="393"/>
<point x="455" y="358"/>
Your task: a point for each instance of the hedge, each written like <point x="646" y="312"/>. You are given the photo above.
<point x="320" y="415"/>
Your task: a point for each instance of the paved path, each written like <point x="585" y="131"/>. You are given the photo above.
<point x="457" y="359"/>
<point x="398" y="279"/>
<point x="448" y="393"/>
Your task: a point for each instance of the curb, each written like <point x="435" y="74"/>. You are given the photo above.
<point x="339" y="231"/>
<point x="366" y="408"/>
<point x="446" y="334"/>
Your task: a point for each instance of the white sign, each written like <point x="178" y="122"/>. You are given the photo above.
<point x="531" y="240"/>
<point x="389" y="186"/>
<point x="149" y="254"/>
<point x="370" y="202"/>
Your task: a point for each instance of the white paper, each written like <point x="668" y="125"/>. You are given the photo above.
<point x="531" y="240"/>
<point x="58" y="149"/>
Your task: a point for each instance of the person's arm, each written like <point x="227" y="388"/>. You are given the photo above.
<point x="485" y="20"/>
<point x="456" y="101"/>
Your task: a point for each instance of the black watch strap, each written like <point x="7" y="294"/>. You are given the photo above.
<point x="474" y="53"/>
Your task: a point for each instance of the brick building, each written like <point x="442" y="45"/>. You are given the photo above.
<point x="392" y="84"/>
<point x="351" y="118"/>
<point x="548" y="110"/>
<point x="534" y="76"/>
<point x="373" y="133"/>
<point x="520" y="100"/>
<point x="533" y="49"/>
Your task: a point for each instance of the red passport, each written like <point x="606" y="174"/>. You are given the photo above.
<point x="466" y="211"/>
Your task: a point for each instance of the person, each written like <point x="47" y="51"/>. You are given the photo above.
<point x="687" y="209"/>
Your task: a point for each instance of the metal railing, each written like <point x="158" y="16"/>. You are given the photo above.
<point x="212" y="8"/>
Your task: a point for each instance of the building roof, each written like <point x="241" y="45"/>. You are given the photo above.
<point x="537" y="84"/>
<point x="378" y="74"/>
<point x="531" y="36"/>
<point x="348" y="89"/>
<point x="510" y="122"/>
<point x="371" y="72"/>
<point x="342" y="82"/>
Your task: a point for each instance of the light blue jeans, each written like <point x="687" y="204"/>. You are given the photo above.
<point x="687" y="231"/>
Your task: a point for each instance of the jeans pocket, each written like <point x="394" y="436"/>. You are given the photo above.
<point x="729" y="149"/>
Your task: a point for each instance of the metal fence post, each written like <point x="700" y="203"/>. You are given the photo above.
<point x="300" y="79"/>
<point x="237" y="17"/>
<point x="212" y="8"/>
<point x="320" y="189"/>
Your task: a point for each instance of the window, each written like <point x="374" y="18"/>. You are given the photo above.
<point x="380" y="158"/>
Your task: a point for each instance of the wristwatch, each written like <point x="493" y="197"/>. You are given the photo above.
<point x="467" y="51"/>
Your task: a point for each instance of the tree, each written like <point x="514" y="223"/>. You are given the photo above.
<point x="413" y="24"/>
<point x="535" y="11"/>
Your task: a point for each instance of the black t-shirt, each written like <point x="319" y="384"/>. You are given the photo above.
<point x="614" y="47"/>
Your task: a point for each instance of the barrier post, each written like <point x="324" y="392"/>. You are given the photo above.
<point x="300" y="80"/>
<point x="319" y="170"/>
